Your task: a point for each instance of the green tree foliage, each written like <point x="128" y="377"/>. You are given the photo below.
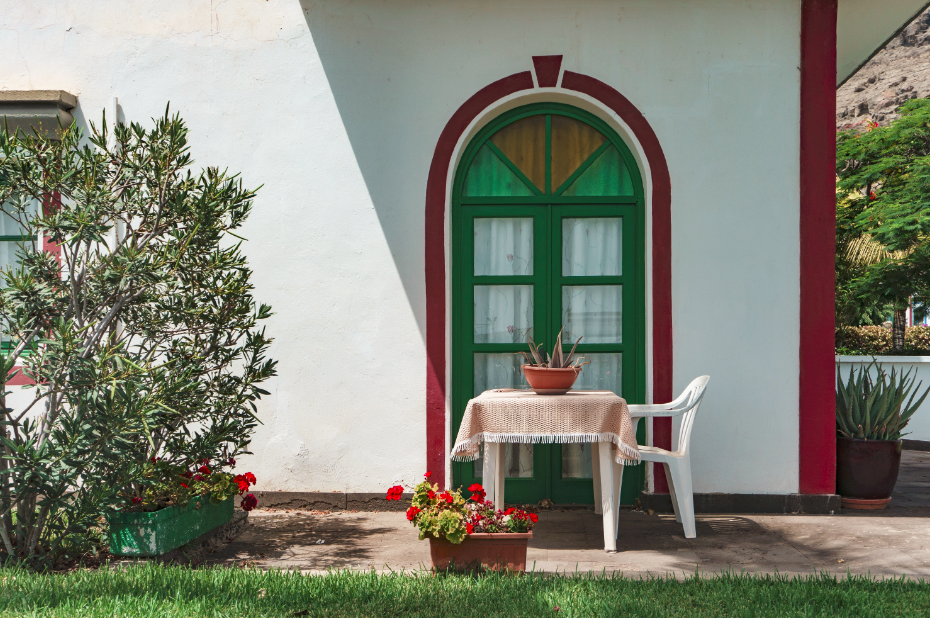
<point x="142" y="335"/>
<point x="883" y="217"/>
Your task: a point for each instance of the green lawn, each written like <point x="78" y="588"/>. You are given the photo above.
<point x="175" y="591"/>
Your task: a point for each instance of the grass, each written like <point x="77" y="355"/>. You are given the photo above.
<point x="153" y="590"/>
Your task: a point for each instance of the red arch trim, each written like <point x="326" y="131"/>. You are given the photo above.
<point x="435" y="252"/>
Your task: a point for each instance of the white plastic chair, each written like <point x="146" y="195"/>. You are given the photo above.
<point x="677" y="463"/>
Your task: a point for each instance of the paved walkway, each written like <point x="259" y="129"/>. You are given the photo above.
<point x="895" y="541"/>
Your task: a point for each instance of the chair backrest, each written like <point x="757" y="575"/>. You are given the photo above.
<point x="690" y="402"/>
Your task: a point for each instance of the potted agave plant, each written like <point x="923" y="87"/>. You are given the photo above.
<point x="176" y="504"/>
<point x="556" y="374"/>
<point x="870" y="415"/>
<point x="468" y="534"/>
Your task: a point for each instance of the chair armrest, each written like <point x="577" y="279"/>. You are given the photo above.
<point x="653" y="411"/>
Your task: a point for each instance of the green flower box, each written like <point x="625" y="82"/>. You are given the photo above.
<point x="158" y="532"/>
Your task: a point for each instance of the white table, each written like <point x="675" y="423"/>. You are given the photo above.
<point x="497" y="418"/>
<point x="606" y="472"/>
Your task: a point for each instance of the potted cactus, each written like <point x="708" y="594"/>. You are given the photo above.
<point x="556" y="374"/>
<point x="870" y="416"/>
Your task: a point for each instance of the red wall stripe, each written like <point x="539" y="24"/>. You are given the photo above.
<point x="436" y="263"/>
<point x="435" y="253"/>
<point x="817" y="439"/>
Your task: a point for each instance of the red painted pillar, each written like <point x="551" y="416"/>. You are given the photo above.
<point x="817" y="444"/>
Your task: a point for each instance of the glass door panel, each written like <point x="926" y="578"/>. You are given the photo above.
<point x="503" y="301"/>
<point x="594" y="312"/>
<point x="503" y="313"/>
<point x="588" y="295"/>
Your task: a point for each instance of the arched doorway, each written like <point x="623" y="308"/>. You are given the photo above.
<point x="548" y="230"/>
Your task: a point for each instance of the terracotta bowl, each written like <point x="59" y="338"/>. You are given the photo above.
<point x="545" y="381"/>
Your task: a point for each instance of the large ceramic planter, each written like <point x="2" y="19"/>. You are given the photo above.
<point x="497" y="552"/>
<point x="866" y="471"/>
<point x="158" y="532"/>
<point x="545" y="381"/>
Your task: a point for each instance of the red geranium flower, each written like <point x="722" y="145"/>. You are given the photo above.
<point x="427" y="475"/>
<point x="184" y="485"/>
<point x="241" y="482"/>
<point x="395" y="493"/>
<point x="250" y="478"/>
<point x="197" y="477"/>
<point x="469" y="528"/>
<point x="446" y="496"/>
<point x="412" y="513"/>
<point x="534" y="517"/>
<point x="431" y="494"/>
<point x="136" y="500"/>
<point x="509" y="511"/>
<point x="478" y="492"/>
<point x="249" y="502"/>
<point x="203" y="469"/>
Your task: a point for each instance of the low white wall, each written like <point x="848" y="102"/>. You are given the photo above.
<point x="919" y="426"/>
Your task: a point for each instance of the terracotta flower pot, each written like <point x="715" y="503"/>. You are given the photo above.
<point x="545" y="381"/>
<point x="866" y="471"/>
<point x="494" y="551"/>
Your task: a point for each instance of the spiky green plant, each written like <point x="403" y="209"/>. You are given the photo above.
<point x="876" y="410"/>
<point x="556" y="360"/>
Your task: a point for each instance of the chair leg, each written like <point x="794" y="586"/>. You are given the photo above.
<point x="596" y="477"/>
<point x="681" y="475"/>
<point x="672" y="493"/>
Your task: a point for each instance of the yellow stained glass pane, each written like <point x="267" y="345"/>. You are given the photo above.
<point x="572" y="143"/>
<point x="524" y="143"/>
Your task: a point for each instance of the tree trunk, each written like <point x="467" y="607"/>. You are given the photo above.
<point x="897" y="329"/>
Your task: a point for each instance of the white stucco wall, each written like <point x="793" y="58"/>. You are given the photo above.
<point x="336" y="108"/>
<point x="918" y="428"/>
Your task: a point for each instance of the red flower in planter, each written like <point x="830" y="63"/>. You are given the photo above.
<point x="241" y="482"/>
<point x="136" y="500"/>
<point x="395" y="493"/>
<point x="203" y="469"/>
<point x="412" y="513"/>
<point x="250" y="478"/>
<point x="509" y="511"/>
<point x="184" y="485"/>
<point x="534" y="517"/>
<point x="478" y="492"/>
<point x="447" y="497"/>
<point x="249" y="502"/>
<point x="427" y="475"/>
<point x="431" y="494"/>
<point x="469" y="528"/>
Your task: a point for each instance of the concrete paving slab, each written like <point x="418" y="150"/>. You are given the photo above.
<point x="892" y="542"/>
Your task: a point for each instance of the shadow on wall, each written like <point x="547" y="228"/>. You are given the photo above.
<point x="386" y="86"/>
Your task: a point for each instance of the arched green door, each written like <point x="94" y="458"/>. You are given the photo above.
<point x="548" y="231"/>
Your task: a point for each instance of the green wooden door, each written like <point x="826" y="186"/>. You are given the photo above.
<point x="547" y="233"/>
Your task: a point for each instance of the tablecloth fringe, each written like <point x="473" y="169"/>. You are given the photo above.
<point x="628" y="455"/>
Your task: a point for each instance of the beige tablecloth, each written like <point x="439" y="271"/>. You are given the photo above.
<point x="519" y="416"/>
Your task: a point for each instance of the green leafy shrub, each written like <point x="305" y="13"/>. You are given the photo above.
<point x="876" y="341"/>
<point x="142" y="332"/>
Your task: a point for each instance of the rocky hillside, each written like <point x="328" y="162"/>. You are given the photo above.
<point x="899" y="72"/>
